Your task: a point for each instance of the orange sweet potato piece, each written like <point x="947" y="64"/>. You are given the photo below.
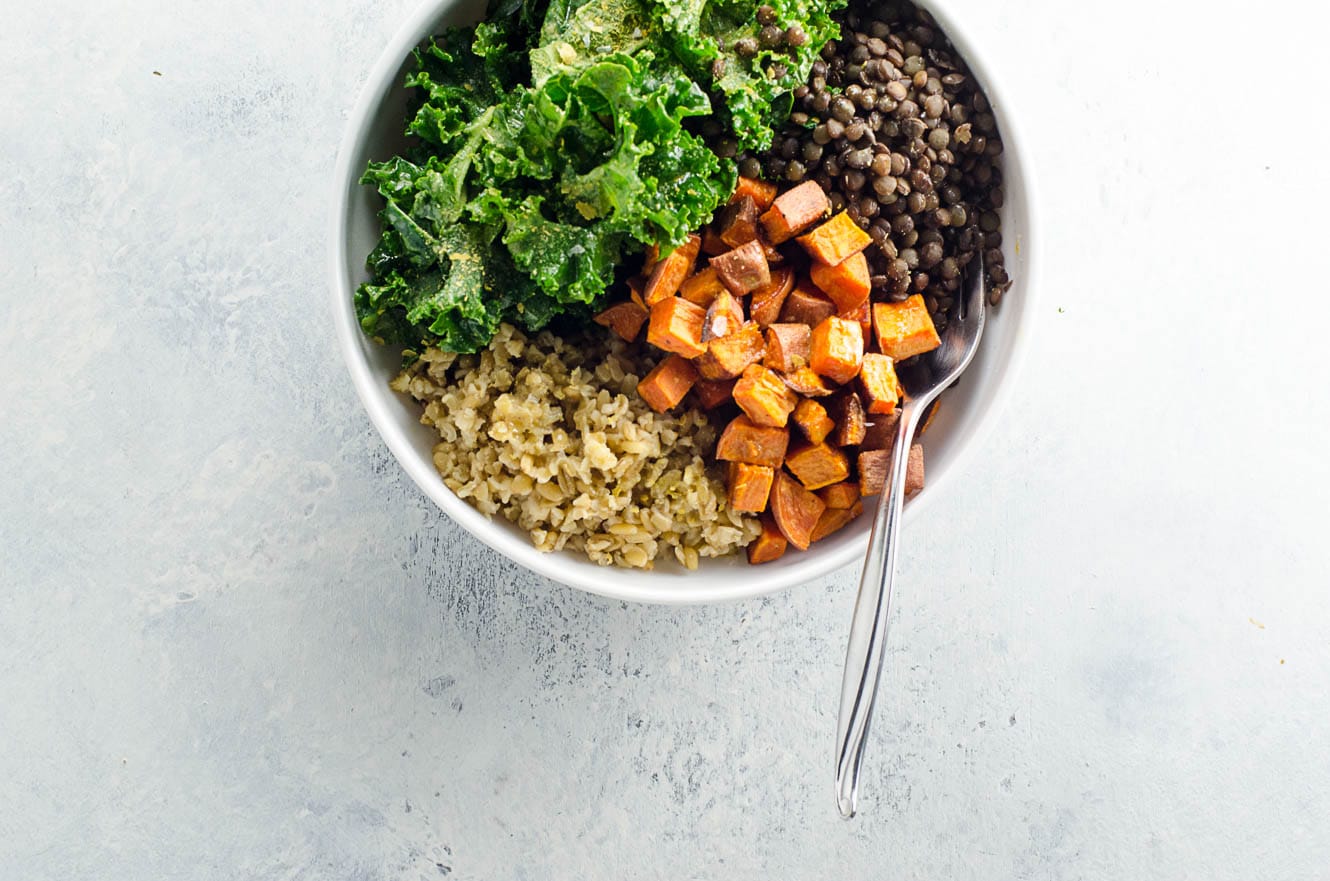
<point x="728" y="356"/>
<point x="796" y="510"/>
<point x="787" y="347"/>
<point x="711" y="393"/>
<point x="701" y="287"/>
<point x="874" y="464"/>
<point x="749" y="486"/>
<point x="670" y="272"/>
<point x="764" y="396"/>
<point x="712" y="243"/>
<point x="725" y="315"/>
<point x="904" y="329"/>
<point x="847" y="411"/>
<point x="813" y="421"/>
<point x="863" y="313"/>
<point x="766" y="302"/>
<point x="840" y="495"/>
<point x="805" y="305"/>
<point x="794" y="210"/>
<point x="743" y="269"/>
<point x="737" y="223"/>
<point x="635" y="286"/>
<point x="835" y="240"/>
<point x="914" y="470"/>
<point x="818" y="465"/>
<point x="676" y="326"/>
<point x="761" y="192"/>
<point x="880" y="433"/>
<point x="743" y="440"/>
<point x="625" y="319"/>
<point x="833" y="519"/>
<point x="881" y="388"/>
<point x="846" y="283"/>
<point x="664" y="387"/>
<point x="768" y="546"/>
<point x="650" y="259"/>
<point x="807" y="383"/>
<point x="837" y="349"/>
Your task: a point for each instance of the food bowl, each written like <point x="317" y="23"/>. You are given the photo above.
<point x="374" y="131"/>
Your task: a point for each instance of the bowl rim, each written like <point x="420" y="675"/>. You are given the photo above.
<point x="607" y="581"/>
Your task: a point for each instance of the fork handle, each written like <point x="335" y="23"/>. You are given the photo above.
<point x="868" y="627"/>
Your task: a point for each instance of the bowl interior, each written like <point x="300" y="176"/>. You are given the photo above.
<point x="375" y="133"/>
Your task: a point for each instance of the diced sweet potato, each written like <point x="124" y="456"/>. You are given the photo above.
<point x="846" y="283"/>
<point x="835" y="240"/>
<point x="711" y="393"/>
<point x="725" y="315"/>
<point x="863" y="313"/>
<point x="904" y="329"/>
<point x="837" y="349"/>
<point x="795" y="509"/>
<point x="882" y="390"/>
<point x="794" y="210"/>
<point x="766" y="302"/>
<point x="847" y="411"/>
<point x="880" y="433"/>
<point x="676" y="326"/>
<point x="743" y="440"/>
<point x="649" y="259"/>
<point x="873" y="466"/>
<point x="812" y="419"/>
<point x="737" y="223"/>
<point x="805" y="305"/>
<point x="818" y="465"/>
<point x="787" y="347"/>
<point x="914" y="470"/>
<point x="664" y="387"/>
<point x="761" y="192"/>
<point x="669" y="273"/>
<point x="712" y="243"/>
<point x="840" y="495"/>
<point x="807" y="383"/>
<point x="743" y="269"/>
<point x="773" y="253"/>
<point x="635" y="286"/>
<point x="726" y="357"/>
<point x="764" y="396"/>
<point x="749" y="486"/>
<point x="701" y="287"/>
<point x="768" y="546"/>
<point x="625" y="319"/>
<point x="833" y="519"/>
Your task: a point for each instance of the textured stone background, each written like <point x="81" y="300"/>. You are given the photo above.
<point x="236" y="643"/>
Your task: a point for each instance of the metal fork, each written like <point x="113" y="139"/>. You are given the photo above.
<point x="872" y="609"/>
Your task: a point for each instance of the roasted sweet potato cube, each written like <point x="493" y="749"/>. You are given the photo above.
<point x="676" y="326"/>
<point x="664" y="387"/>
<point x="743" y="440"/>
<point x="625" y="319"/>
<point x="880" y="432"/>
<point x="794" y="210"/>
<point x="711" y="393"/>
<point x="833" y="519"/>
<point x="765" y="305"/>
<point x="649" y="259"/>
<point x="743" y="269"/>
<point x="837" y="349"/>
<point x="701" y="287"/>
<point x="914" y="470"/>
<point x="669" y="273"/>
<point x="863" y="314"/>
<point x="749" y="486"/>
<point x="764" y="396"/>
<point x="812" y="419"/>
<point x="737" y="223"/>
<point x="761" y="192"/>
<point x="787" y="347"/>
<point x="806" y="305"/>
<point x="727" y="356"/>
<point x="636" y="284"/>
<point x="807" y="383"/>
<point x="712" y="243"/>
<point x="846" y="283"/>
<point x="725" y="315"/>
<point x="904" y="329"/>
<point x="881" y="389"/>
<point x="840" y="495"/>
<point x="873" y="466"/>
<point x="768" y="546"/>
<point x="835" y="240"/>
<point x="847" y="411"/>
<point x="796" y="510"/>
<point x="818" y="465"/>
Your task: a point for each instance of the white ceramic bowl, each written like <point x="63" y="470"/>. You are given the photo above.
<point x="374" y="131"/>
